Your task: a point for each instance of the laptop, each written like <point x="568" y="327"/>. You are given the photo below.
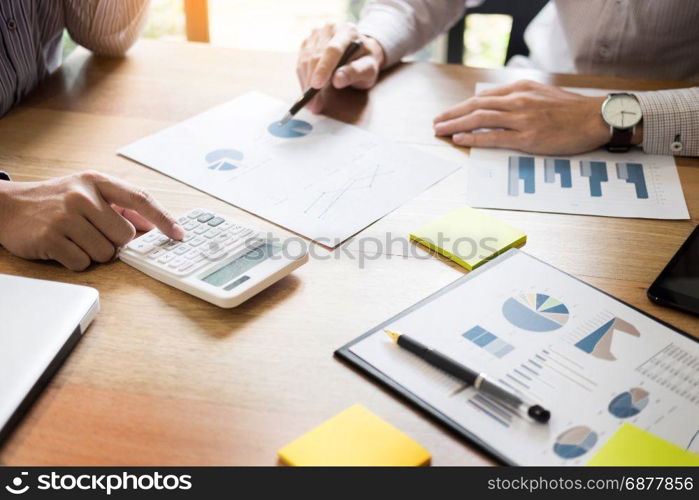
<point x="40" y="323"/>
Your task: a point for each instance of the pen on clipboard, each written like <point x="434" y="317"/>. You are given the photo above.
<point x="351" y="49"/>
<point x="478" y="380"/>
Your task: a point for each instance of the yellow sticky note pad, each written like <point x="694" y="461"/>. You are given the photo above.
<point x="469" y="237"/>
<point x="355" y="437"/>
<point x="635" y="447"/>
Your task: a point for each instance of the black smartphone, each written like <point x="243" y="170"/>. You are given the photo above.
<point x="678" y="284"/>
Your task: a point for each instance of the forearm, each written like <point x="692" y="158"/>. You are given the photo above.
<point x="670" y="121"/>
<point x="106" y="27"/>
<point x="404" y="26"/>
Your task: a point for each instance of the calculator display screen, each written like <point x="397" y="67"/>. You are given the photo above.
<point x="241" y="265"/>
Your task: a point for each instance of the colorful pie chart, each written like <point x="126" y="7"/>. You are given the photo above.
<point x="575" y="442"/>
<point x="535" y="312"/>
<point x="629" y="403"/>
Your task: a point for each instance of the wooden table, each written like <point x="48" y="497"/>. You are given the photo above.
<point x="164" y="378"/>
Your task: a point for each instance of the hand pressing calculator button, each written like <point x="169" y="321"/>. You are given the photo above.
<point x="218" y="260"/>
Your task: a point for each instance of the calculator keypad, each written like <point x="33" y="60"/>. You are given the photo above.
<point x="208" y="238"/>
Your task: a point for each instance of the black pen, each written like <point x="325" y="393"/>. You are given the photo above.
<point x="351" y="49"/>
<point x="479" y="381"/>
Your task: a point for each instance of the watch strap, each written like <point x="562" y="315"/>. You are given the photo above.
<point x="620" y="141"/>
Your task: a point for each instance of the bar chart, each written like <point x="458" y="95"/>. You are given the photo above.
<point x="631" y="184"/>
<point x="488" y="341"/>
<point x="521" y="174"/>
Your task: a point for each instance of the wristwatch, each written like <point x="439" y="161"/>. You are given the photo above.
<point x="622" y="112"/>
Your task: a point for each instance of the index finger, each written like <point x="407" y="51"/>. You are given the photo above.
<point x="331" y="56"/>
<point x="472" y="104"/>
<point x="518" y="86"/>
<point x="125" y="195"/>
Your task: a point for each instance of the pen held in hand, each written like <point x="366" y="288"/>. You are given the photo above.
<point x="351" y="49"/>
<point x="478" y="380"/>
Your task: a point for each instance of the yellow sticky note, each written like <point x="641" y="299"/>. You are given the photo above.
<point x="469" y="237"/>
<point x="635" y="447"/>
<point x="355" y="437"/>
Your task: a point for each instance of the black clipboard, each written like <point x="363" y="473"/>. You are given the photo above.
<point x="347" y="356"/>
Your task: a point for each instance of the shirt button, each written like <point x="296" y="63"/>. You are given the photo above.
<point x="11" y="24"/>
<point x="676" y="146"/>
<point x="605" y="51"/>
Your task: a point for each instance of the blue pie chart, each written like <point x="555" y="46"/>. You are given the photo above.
<point x="293" y="129"/>
<point x="629" y="403"/>
<point x="575" y="442"/>
<point x="223" y="159"/>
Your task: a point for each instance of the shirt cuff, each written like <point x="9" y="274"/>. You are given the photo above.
<point x="670" y="121"/>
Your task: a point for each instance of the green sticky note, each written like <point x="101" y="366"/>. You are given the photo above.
<point x="635" y="447"/>
<point x="469" y="237"/>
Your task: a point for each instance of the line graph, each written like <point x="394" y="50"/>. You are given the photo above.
<point x="327" y="199"/>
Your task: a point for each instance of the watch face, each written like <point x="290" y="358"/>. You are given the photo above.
<point x="621" y="111"/>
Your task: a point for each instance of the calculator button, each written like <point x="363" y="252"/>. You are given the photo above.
<point x="158" y="252"/>
<point x="197" y="241"/>
<point x="175" y="263"/>
<point x="161" y="240"/>
<point x="181" y="250"/>
<point x="187" y="237"/>
<point x="191" y="225"/>
<point x="186" y="265"/>
<point x="225" y="225"/>
<point x="140" y="246"/>
<point x="205" y="217"/>
<point x="150" y="237"/>
<point x="211" y="233"/>
<point x="164" y="259"/>
<point x="193" y="252"/>
<point x="201" y="230"/>
<point x="195" y="213"/>
<point x="172" y="244"/>
<point x="218" y="255"/>
<point x="216" y="221"/>
<point x="197" y="258"/>
<point x="223" y="237"/>
<point x="183" y="219"/>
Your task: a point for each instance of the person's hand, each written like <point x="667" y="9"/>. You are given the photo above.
<point x="528" y="116"/>
<point x="77" y="219"/>
<point x="321" y="52"/>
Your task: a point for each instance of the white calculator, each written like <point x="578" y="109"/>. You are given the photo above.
<point x="218" y="260"/>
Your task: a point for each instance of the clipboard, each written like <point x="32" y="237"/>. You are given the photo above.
<point x="346" y="355"/>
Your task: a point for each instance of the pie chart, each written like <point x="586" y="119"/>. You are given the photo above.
<point x="535" y="312"/>
<point x="223" y="159"/>
<point x="629" y="403"/>
<point x="293" y="129"/>
<point x="575" y="442"/>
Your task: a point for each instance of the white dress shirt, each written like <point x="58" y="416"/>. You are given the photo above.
<point x="632" y="38"/>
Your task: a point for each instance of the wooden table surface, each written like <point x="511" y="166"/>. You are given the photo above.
<point x="164" y="378"/>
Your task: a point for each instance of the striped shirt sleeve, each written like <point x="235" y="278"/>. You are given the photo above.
<point x="106" y="27"/>
<point x="670" y="121"/>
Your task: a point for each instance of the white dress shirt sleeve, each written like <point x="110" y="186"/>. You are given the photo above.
<point x="404" y="26"/>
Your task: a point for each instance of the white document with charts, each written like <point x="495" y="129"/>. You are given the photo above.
<point x="590" y="359"/>
<point x="316" y="176"/>
<point x="632" y="184"/>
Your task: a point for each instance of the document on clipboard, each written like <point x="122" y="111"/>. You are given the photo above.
<point x="593" y="360"/>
